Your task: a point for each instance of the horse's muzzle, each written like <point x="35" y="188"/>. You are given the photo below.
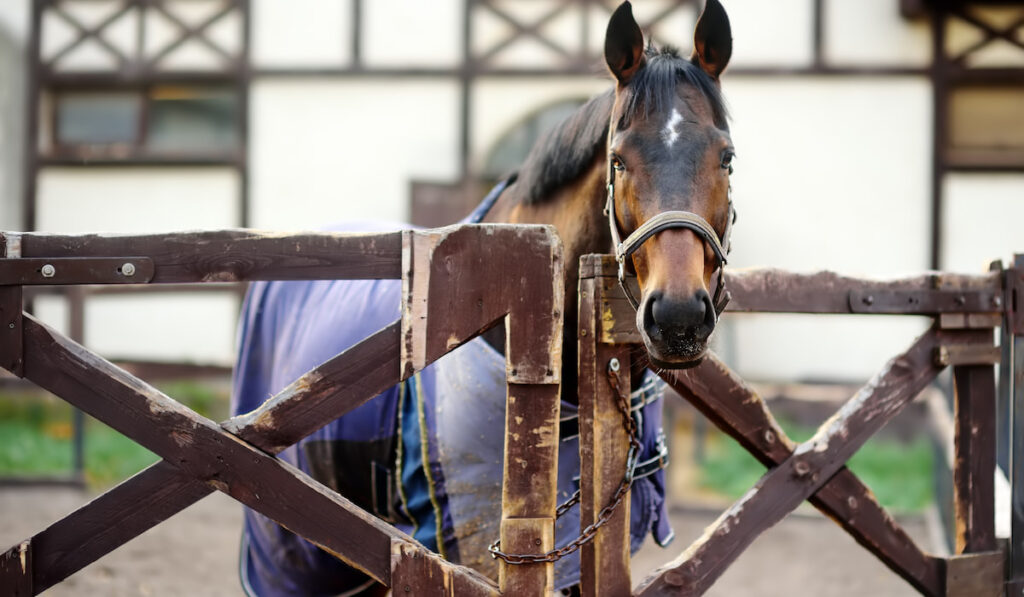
<point x="676" y="330"/>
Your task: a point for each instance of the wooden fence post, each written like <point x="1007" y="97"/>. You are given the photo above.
<point x="604" y="443"/>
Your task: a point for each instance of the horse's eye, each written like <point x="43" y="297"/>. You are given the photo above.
<point x="617" y="164"/>
<point x="727" y="161"/>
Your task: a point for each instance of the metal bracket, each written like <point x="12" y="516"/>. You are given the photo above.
<point x="966" y="354"/>
<point x="925" y="301"/>
<point x="75" y="270"/>
<point x="975" y="574"/>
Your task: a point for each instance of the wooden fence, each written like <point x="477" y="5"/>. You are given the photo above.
<point x="457" y="282"/>
<point x="966" y="312"/>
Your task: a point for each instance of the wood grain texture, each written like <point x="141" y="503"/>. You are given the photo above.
<point x="111" y="520"/>
<point x="779" y="291"/>
<point x="527" y="535"/>
<point x="469" y="277"/>
<point x="529" y="486"/>
<point x="976" y="575"/>
<point x="16" y="566"/>
<point x="323" y="394"/>
<point x="237" y="255"/>
<point x="740" y="412"/>
<point x="362" y="371"/>
<point x="809" y="467"/>
<point x="200" y="449"/>
<point x="416" y="571"/>
<point x="604" y="447"/>
<point x="974" y="445"/>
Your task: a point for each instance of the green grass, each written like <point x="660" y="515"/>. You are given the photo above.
<point x="899" y="474"/>
<point x="35" y="435"/>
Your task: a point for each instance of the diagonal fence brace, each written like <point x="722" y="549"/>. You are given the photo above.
<point x="810" y="467"/>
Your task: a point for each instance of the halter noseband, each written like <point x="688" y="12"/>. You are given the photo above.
<point x="670" y="219"/>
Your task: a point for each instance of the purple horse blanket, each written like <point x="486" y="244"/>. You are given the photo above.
<point x="425" y="455"/>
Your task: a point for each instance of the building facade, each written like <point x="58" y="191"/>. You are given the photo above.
<point x="874" y="137"/>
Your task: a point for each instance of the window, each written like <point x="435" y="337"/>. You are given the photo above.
<point x="510" y="151"/>
<point x="986" y="127"/>
<point x="158" y="122"/>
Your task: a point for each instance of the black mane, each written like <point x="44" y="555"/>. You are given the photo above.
<point x="566" y="151"/>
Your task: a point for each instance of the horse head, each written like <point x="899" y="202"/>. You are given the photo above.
<point x="669" y="159"/>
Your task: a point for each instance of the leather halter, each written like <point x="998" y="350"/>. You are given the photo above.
<point x="624" y="249"/>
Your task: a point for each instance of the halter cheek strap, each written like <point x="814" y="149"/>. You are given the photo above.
<point x="624" y="249"/>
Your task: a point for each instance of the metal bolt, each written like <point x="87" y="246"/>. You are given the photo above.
<point x="868" y="300"/>
<point x="801" y="468"/>
<point x="613" y="365"/>
<point x="769" y="436"/>
<point x="11" y="325"/>
<point x="961" y="300"/>
<point x="537" y="541"/>
<point x="128" y="269"/>
<point x="48" y="271"/>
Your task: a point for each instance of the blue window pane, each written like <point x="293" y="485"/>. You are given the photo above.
<point x="97" y="118"/>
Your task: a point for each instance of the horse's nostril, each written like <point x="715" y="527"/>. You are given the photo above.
<point x="710" y="317"/>
<point x="686" y="314"/>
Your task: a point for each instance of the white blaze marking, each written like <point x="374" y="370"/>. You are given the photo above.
<point x="670" y="134"/>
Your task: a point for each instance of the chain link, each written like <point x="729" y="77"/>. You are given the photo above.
<point x="588" y="534"/>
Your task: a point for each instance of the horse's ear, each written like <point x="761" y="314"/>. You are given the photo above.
<point x="712" y="39"/>
<point x="623" y="44"/>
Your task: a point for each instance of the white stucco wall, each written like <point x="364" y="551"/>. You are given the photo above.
<point x="194" y="328"/>
<point x="830" y="174"/>
<point x="12" y="103"/>
<point x="982" y="220"/>
<point x="330" y="150"/>
<point x="136" y="200"/>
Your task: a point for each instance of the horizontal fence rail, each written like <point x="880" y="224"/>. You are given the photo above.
<point x="458" y="281"/>
<point x="965" y="310"/>
<point x="236" y="457"/>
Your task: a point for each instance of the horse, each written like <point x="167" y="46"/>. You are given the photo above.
<point x="642" y="169"/>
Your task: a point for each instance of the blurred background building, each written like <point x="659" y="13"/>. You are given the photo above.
<point x="875" y="137"/>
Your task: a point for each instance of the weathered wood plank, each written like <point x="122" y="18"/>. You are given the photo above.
<point x="740" y="412"/>
<point x="604" y="447"/>
<point x="976" y="575"/>
<point x="111" y="520"/>
<point x="778" y="291"/>
<point x="202" y="450"/>
<point x="237" y="255"/>
<point x="10" y="312"/>
<point x="361" y="372"/>
<point x="527" y="536"/>
<point x="160" y="491"/>
<point x="416" y="571"/>
<point x="11" y="330"/>
<point x="529" y="486"/>
<point x="975" y="452"/>
<point x="770" y="290"/>
<point x="810" y="467"/>
<point x="323" y="394"/>
<point x="16" y="565"/>
<point x="506" y="270"/>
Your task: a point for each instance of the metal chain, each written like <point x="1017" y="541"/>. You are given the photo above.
<point x="588" y="534"/>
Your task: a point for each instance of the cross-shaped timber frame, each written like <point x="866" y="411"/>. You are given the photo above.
<point x="457" y="282"/>
<point x="966" y="309"/>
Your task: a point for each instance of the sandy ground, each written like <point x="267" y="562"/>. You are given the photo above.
<point x="194" y="554"/>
